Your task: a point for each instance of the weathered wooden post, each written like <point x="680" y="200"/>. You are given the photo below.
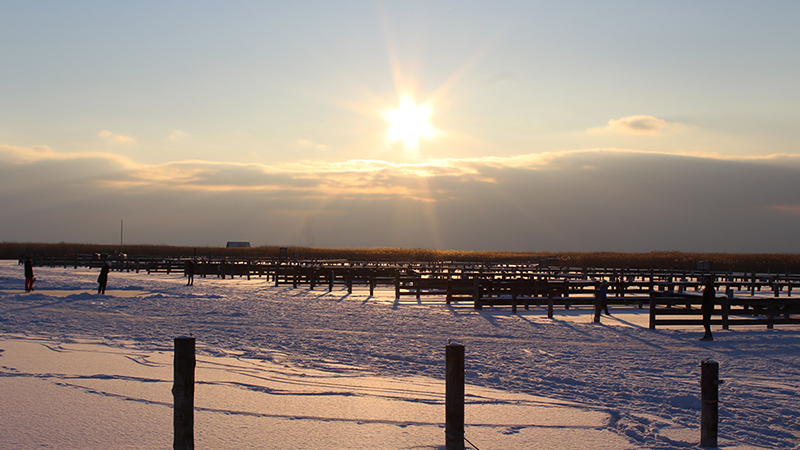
<point x="396" y="284"/>
<point x="371" y="282"/>
<point x="454" y="397"/>
<point x="513" y="299"/>
<point x="349" y="281"/>
<point x="597" y="308"/>
<point x="330" y="280"/>
<point x="527" y="300"/>
<point x="183" y="394"/>
<point x="726" y="310"/>
<point x="449" y="297"/>
<point x="709" y="408"/>
<point x="550" y="304"/>
<point x="476" y="293"/>
<point x="652" y="310"/>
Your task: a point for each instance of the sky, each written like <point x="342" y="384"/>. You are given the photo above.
<point x="504" y="126"/>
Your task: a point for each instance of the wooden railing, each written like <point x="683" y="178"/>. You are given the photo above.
<point x="727" y="311"/>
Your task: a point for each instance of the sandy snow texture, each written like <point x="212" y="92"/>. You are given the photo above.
<point x="299" y="368"/>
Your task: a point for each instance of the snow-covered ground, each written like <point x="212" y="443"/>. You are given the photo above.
<point x="299" y="368"/>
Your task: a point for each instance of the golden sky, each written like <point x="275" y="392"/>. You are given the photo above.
<point x="457" y="125"/>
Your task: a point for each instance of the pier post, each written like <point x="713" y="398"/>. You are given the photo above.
<point x="476" y="293"/>
<point x="709" y="412"/>
<point x="513" y="299"/>
<point x="652" y="310"/>
<point x="454" y="397"/>
<point x="183" y="393"/>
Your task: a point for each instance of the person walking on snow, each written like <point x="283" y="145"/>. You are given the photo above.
<point x="102" y="279"/>
<point x="601" y="300"/>
<point x="709" y="294"/>
<point x="189" y="269"/>
<point x="29" y="274"/>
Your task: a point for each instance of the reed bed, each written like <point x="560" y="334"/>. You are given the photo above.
<point x="761" y="262"/>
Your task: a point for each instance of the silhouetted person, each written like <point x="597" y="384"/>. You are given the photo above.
<point x="601" y="300"/>
<point x="189" y="268"/>
<point x="29" y="274"/>
<point x="102" y="279"/>
<point x="709" y="293"/>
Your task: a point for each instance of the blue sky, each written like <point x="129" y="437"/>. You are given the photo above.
<point x="616" y="126"/>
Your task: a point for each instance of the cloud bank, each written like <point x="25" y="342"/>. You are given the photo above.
<point x="595" y="199"/>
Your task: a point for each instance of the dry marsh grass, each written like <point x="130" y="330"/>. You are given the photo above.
<point x="766" y="262"/>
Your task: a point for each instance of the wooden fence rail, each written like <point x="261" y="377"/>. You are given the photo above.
<point x="727" y="311"/>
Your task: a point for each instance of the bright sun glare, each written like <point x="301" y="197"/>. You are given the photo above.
<point x="410" y="123"/>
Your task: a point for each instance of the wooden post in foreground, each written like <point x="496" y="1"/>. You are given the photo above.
<point x="183" y="394"/>
<point x="454" y="398"/>
<point x="709" y="395"/>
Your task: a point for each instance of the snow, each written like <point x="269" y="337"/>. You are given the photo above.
<point x="300" y="368"/>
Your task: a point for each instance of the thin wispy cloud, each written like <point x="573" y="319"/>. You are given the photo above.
<point x="176" y="135"/>
<point x="792" y="209"/>
<point x="305" y="143"/>
<point x="640" y="125"/>
<point x="111" y="137"/>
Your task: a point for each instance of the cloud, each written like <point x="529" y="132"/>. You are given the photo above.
<point x="176" y="135"/>
<point x="792" y="209"/>
<point x="640" y="125"/>
<point x="592" y="199"/>
<point x="111" y="137"/>
<point x="305" y="143"/>
<point x="17" y="155"/>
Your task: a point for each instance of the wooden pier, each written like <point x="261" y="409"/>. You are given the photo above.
<point x="520" y="284"/>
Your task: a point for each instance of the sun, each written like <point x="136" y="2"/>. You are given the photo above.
<point x="410" y="123"/>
